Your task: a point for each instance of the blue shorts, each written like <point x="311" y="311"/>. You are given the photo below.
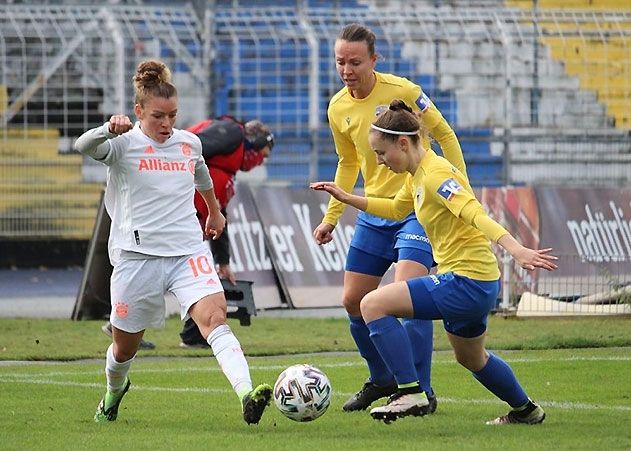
<point x="377" y="243"/>
<point x="462" y="303"/>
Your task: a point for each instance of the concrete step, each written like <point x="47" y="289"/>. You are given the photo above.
<point x="37" y="197"/>
<point x="63" y="170"/>
<point x="604" y="68"/>
<point x="29" y="147"/>
<point x="569" y="171"/>
<point x="573" y="4"/>
<point x="76" y="223"/>
<point x="579" y="49"/>
<point x="473" y="82"/>
<point x="29" y="142"/>
<point x="609" y="84"/>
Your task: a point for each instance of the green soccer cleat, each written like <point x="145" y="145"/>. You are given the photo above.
<point x="102" y="414"/>
<point x="255" y="402"/>
<point x="532" y="414"/>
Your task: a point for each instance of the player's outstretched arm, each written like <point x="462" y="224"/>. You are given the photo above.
<point x="529" y="259"/>
<point x="93" y="142"/>
<point x="473" y="214"/>
<point x="324" y="232"/>
<point x="359" y="202"/>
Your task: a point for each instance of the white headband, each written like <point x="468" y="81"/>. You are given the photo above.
<point x="393" y="132"/>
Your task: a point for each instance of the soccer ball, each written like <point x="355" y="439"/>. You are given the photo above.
<point x="302" y="393"/>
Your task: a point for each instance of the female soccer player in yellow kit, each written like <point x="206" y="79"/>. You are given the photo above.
<point x="377" y="243"/>
<point x="466" y="286"/>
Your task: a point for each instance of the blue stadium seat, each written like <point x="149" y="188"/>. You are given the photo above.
<point x="272" y="79"/>
<point x="327" y="165"/>
<point x="484" y="170"/>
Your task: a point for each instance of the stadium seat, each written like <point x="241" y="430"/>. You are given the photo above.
<point x="42" y="189"/>
<point x="598" y="56"/>
<point x="574" y="4"/>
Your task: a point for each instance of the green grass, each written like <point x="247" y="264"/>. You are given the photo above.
<point x="42" y="339"/>
<point x="185" y="402"/>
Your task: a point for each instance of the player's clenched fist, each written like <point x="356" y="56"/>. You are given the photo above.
<point x="120" y="124"/>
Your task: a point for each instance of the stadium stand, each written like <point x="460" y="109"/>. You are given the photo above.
<point x="536" y="95"/>
<point x="538" y="92"/>
<point x="42" y="189"/>
<point x="61" y="76"/>
<point x="490" y="73"/>
<point x="596" y="48"/>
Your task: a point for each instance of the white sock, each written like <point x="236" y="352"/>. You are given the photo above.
<point x="115" y="372"/>
<point x="227" y="351"/>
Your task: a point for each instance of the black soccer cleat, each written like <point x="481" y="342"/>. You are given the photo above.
<point x="368" y="394"/>
<point x="433" y="404"/>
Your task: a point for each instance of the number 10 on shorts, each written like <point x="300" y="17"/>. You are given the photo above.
<point x="200" y="265"/>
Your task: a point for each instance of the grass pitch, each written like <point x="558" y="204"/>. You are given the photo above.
<point x="185" y="402"/>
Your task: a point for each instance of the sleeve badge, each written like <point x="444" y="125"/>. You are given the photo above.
<point x="423" y="102"/>
<point x="449" y="188"/>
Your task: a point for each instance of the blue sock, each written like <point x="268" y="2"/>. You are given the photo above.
<point x="500" y="380"/>
<point x="393" y="345"/>
<point x="379" y="372"/>
<point x="421" y="334"/>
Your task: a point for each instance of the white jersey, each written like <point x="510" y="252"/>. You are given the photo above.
<point x="150" y="189"/>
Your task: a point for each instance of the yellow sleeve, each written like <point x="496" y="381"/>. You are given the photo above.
<point x="447" y="186"/>
<point x="473" y="214"/>
<point x="397" y="208"/>
<point x="440" y="130"/>
<point x="345" y="175"/>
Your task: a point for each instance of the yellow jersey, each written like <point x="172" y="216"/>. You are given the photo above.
<point x="350" y="120"/>
<point x="452" y="217"/>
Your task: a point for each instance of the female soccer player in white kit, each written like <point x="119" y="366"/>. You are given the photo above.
<point x="155" y="242"/>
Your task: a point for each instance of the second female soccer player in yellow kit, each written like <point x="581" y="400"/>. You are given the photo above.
<point x="377" y="242"/>
<point x="466" y="285"/>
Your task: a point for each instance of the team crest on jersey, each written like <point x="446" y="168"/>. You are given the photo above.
<point x="186" y="149"/>
<point x="419" y="195"/>
<point x="380" y="109"/>
<point x="423" y="102"/>
<point x="449" y="188"/>
<point x="121" y="309"/>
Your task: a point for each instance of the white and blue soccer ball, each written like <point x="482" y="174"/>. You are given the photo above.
<point x="302" y="393"/>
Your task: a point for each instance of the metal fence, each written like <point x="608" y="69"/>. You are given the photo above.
<point x="525" y="111"/>
<point x="536" y="96"/>
<point x="595" y="288"/>
<point x="64" y="69"/>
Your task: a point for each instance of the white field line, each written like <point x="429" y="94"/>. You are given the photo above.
<point x="92" y="385"/>
<point x="214" y="366"/>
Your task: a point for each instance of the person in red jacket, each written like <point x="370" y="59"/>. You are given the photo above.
<point x="228" y="146"/>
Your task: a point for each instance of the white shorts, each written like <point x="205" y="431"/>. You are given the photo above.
<point x="138" y="286"/>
